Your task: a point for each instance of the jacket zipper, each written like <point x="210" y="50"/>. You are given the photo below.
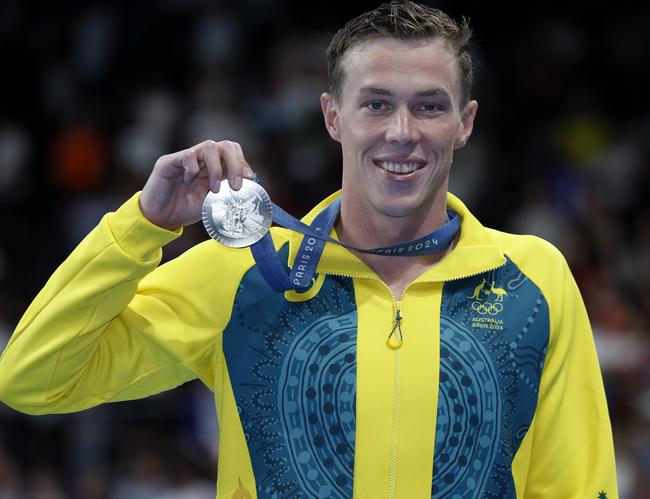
<point x="395" y="338"/>
<point x="394" y="341"/>
<point x="392" y="467"/>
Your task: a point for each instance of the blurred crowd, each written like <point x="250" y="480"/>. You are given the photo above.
<point x="93" y="93"/>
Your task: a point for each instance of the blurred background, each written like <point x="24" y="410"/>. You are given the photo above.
<point x="93" y="93"/>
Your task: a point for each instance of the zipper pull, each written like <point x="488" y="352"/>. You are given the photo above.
<point x="395" y="338"/>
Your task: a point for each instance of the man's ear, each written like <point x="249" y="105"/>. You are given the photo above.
<point x="466" y="124"/>
<point x="331" y="114"/>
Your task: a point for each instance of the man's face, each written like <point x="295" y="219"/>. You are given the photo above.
<point x="398" y="120"/>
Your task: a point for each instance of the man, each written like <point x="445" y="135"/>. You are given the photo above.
<point x="470" y="372"/>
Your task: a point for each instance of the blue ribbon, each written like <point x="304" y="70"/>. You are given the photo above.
<point x="315" y="237"/>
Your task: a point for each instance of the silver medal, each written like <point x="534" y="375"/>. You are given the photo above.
<point x="237" y="218"/>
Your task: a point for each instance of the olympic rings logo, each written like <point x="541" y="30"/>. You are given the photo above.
<point x="487" y="307"/>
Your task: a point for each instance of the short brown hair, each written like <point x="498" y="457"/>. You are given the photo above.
<point x="404" y="20"/>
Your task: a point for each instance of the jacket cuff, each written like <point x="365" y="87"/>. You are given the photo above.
<point x="135" y="234"/>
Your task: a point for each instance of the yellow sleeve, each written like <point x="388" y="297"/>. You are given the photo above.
<point x="111" y="325"/>
<point x="568" y="451"/>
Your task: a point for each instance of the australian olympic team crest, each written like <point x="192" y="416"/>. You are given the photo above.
<point x="488" y="302"/>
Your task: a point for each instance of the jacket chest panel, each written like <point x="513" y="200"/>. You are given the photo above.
<point x="493" y="336"/>
<point x="292" y="367"/>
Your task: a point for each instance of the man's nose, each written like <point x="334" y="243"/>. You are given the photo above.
<point x="402" y="128"/>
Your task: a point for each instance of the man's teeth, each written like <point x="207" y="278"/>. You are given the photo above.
<point x="398" y="167"/>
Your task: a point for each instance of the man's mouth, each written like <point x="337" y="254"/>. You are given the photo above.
<point x="399" y="167"/>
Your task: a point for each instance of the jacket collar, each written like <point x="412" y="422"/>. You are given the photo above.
<point x="475" y="252"/>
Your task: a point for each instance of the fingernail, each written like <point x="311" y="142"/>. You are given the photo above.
<point x="215" y="186"/>
<point x="248" y="172"/>
<point x="236" y="183"/>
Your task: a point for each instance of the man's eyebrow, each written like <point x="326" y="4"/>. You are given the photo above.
<point x="431" y="92"/>
<point x="374" y="90"/>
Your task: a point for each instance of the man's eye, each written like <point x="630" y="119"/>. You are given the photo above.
<point x="430" y="107"/>
<point x="375" y="106"/>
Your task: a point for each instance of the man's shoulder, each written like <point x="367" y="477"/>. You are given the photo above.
<point x="526" y="245"/>
<point x="537" y="258"/>
<point x="528" y="248"/>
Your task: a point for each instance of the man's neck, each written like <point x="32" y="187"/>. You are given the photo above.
<point x="367" y="229"/>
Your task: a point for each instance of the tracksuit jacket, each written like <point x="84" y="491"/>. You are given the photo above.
<point x="480" y="381"/>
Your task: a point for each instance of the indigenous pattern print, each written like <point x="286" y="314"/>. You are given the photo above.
<point x="493" y="337"/>
<point x="292" y="367"/>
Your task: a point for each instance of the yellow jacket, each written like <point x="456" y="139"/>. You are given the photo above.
<point x="494" y="392"/>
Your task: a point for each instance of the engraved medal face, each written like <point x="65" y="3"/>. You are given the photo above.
<point x="237" y="218"/>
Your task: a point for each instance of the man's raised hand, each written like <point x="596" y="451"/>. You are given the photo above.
<point x="174" y="193"/>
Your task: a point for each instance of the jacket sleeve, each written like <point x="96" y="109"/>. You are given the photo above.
<point x="109" y="325"/>
<point x="571" y="453"/>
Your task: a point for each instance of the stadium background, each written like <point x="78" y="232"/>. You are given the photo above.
<point x="93" y="93"/>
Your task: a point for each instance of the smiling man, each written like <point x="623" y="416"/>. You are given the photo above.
<point x="399" y="110"/>
<point x="430" y="357"/>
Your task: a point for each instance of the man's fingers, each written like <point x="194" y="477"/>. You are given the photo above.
<point x="234" y="164"/>
<point x="190" y="166"/>
<point x="246" y="170"/>
<point x="211" y="159"/>
<point x="213" y="164"/>
<point x="238" y="167"/>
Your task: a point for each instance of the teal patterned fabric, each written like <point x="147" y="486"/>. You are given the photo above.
<point x="292" y="368"/>
<point x="494" y="331"/>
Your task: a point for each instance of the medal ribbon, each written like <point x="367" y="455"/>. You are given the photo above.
<point x="317" y="234"/>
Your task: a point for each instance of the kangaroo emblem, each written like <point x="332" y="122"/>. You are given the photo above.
<point x="500" y="292"/>
<point x="477" y="291"/>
